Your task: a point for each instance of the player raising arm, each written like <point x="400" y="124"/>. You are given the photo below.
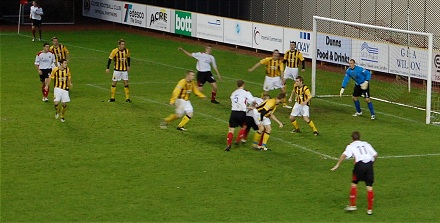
<point x="204" y="62"/>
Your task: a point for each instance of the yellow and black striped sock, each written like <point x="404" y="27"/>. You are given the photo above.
<point x="170" y="118"/>
<point x="312" y="125"/>
<point x="127" y="92"/>
<point x="63" y="110"/>
<point x="57" y="108"/>
<point x="257" y="137"/>
<point x="265" y="138"/>
<point x="113" y="92"/>
<point x="185" y="120"/>
<point x="295" y="124"/>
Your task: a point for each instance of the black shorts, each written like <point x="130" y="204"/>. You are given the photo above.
<point x="250" y="123"/>
<point x="46" y="73"/>
<point x="357" y="92"/>
<point x="203" y="77"/>
<point x="36" y="22"/>
<point x="237" y="118"/>
<point x="363" y="172"/>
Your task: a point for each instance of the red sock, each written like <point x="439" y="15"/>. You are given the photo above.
<point x="353" y="193"/>
<point x="230" y="137"/>
<point x="245" y="135"/>
<point x="43" y="91"/>
<point x="241" y="134"/>
<point x="370" y="198"/>
<point x="213" y="95"/>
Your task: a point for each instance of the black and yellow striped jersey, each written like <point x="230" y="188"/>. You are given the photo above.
<point x="60" y="52"/>
<point x="62" y="78"/>
<point x="184" y="89"/>
<point x="274" y="68"/>
<point x="120" y="57"/>
<point x="302" y="93"/>
<point x="269" y="106"/>
<point x="292" y="58"/>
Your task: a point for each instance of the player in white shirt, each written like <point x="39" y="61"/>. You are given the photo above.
<point x="364" y="156"/>
<point x="35" y="16"/>
<point x="252" y="120"/>
<point x="44" y="62"/>
<point x="240" y="99"/>
<point x="204" y="62"/>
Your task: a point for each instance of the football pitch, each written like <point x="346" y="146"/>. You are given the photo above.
<point x="111" y="161"/>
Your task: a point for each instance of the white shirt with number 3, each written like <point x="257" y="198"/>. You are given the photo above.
<point x="240" y="98"/>
<point x="361" y="151"/>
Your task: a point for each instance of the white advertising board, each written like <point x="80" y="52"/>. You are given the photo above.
<point x="159" y="18"/>
<point x="436" y="67"/>
<point x="267" y="37"/>
<point x="405" y="61"/>
<point x="238" y="32"/>
<point x="370" y="55"/>
<point x="301" y="38"/>
<point x="209" y="27"/>
<point x="134" y="14"/>
<point x="334" y="49"/>
<point x="103" y="9"/>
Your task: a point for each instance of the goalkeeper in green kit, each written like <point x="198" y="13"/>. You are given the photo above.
<point x="362" y="87"/>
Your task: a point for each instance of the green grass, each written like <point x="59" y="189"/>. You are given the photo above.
<point x="111" y="162"/>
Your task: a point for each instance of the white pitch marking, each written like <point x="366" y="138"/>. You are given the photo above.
<point x="408" y="156"/>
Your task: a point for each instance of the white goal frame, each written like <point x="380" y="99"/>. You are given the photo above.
<point x="429" y="62"/>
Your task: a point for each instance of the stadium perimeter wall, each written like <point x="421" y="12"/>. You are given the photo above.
<point x="261" y="36"/>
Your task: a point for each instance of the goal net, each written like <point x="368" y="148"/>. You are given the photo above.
<point x="401" y="63"/>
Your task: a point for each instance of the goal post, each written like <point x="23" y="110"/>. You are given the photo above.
<point x="403" y="58"/>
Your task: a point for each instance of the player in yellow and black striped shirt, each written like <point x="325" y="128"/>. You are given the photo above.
<point x="62" y="83"/>
<point x="59" y="50"/>
<point x="302" y="103"/>
<point x="274" y="70"/>
<point x="121" y="58"/>
<point x="292" y="58"/>
<point x="266" y="110"/>
<point x="180" y="99"/>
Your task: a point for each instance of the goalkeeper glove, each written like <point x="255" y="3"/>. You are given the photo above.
<point x="341" y="92"/>
<point x="364" y="85"/>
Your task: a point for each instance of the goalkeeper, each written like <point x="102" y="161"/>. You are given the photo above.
<point x="362" y="86"/>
